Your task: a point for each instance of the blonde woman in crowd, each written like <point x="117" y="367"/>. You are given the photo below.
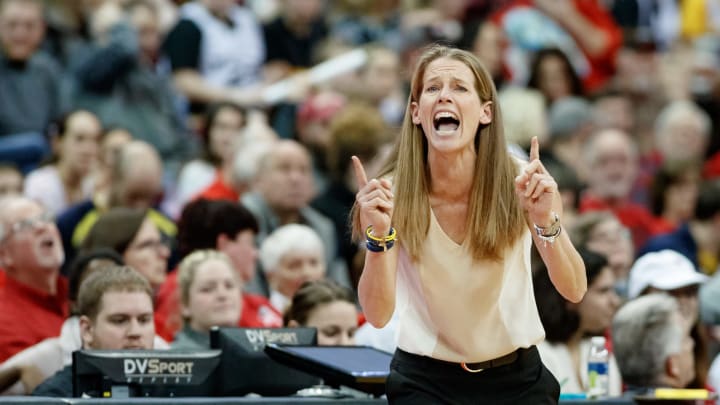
<point x="209" y="296"/>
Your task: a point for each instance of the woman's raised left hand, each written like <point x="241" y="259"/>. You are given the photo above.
<point x="537" y="190"/>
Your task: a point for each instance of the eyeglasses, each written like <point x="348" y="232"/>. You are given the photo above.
<point x="152" y="244"/>
<point x="26" y="224"/>
<point x="611" y="236"/>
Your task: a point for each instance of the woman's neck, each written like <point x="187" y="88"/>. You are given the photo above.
<point x="197" y="328"/>
<point x="69" y="177"/>
<point x="671" y="217"/>
<point x="575" y="339"/>
<point x="285" y="217"/>
<point x="457" y="170"/>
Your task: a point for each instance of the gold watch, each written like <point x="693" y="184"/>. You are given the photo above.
<point x="551" y="232"/>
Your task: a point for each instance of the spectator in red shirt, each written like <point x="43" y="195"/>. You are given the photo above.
<point x="223" y="128"/>
<point x="583" y="29"/>
<point x="682" y="132"/>
<point x="230" y="138"/>
<point x="230" y="228"/>
<point x="611" y="166"/>
<point x="236" y="176"/>
<point x="33" y="302"/>
<point x="682" y="135"/>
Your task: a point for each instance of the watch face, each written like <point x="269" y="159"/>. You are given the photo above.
<point x="551" y="230"/>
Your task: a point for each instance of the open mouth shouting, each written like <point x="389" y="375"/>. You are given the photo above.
<point x="445" y="123"/>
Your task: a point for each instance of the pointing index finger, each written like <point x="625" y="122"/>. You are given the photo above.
<point x="534" y="149"/>
<point x="360" y="175"/>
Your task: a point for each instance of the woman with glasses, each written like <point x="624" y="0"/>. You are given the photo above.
<point x="132" y="234"/>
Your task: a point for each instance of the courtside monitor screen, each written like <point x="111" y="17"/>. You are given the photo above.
<point x="360" y="367"/>
<point x="245" y="368"/>
<point x="144" y="373"/>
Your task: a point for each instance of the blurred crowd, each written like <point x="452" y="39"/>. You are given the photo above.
<point x="206" y="144"/>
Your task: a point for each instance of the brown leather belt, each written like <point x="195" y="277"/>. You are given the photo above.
<point x="483" y="365"/>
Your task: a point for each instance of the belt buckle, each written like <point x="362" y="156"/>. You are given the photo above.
<point x="470" y="370"/>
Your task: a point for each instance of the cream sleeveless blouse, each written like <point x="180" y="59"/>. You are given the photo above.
<point x="454" y="309"/>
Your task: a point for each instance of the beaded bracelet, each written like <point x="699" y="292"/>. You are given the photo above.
<point x="548" y="234"/>
<point x="375" y="244"/>
<point x="391" y="237"/>
<point x="378" y="248"/>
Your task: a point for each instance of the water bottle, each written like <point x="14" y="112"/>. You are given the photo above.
<point x="598" y="368"/>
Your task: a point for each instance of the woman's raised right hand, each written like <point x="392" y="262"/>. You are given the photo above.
<point x="375" y="200"/>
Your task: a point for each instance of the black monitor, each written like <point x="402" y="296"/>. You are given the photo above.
<point x="361" y="367"/>
<point x="144" y="373"/>
<point x="245" y="368"/>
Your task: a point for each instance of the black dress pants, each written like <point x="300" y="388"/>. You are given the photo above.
<point x="418" y="379"/>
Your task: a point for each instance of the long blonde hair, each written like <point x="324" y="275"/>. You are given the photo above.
<point x="496" y="218"/>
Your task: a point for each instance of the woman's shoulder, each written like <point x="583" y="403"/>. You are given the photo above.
<point x="43" y="174"/>
<point x="44" y="183"/>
